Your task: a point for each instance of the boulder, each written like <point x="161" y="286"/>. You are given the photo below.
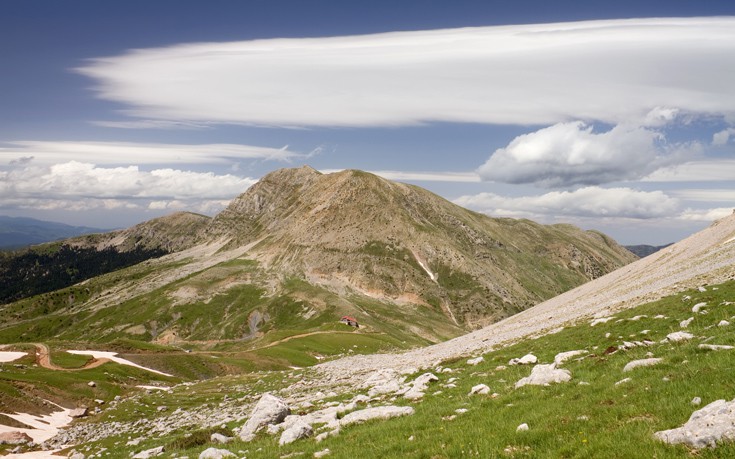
<point x="480" y="389"/>
<point x="528" y="359"/>
<point x="522" y="428"/>
<point x="641" y="363"/>
<point x="686" y="323"/>
<point x="705" y="427"/>
<point x="542" y="375"/>
<point x="716" y="347"/>
<point x="78" y="412"/>
<point x="219" y="438"/>
<point x="384" y="381"/>
<point x="269" y="410"/>
<point x="214" y="453"/>
<point x="14" y="438"/>
<point x="378" y="412"/>
<point x="419" y="385"/>
<point x="678" y="336"/>
<point x="153" y="452"/>
<point x="297" y="431"/>
<point x="476" y="361"/>
<point x="698" y="307"/>
<point x="564" y="356"/>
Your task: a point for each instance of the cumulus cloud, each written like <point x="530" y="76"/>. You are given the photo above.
<point x="84" y="186"/>
<point x="108" y="153"/>
<point x="593" y="202"/>
<point x="567" y="154"/>
<point x="723" y="137"/>
<point x="706" y="215"/>
<point x="610" y="71"/>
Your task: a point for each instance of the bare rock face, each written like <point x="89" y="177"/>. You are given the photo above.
<point x="706" y="427"/>
<point x="269" y="410"/>
<point x="542" y="375"/>
<point x="14" y="438"/>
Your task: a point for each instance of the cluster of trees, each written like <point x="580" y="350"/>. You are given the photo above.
<point x="33" y="271"/>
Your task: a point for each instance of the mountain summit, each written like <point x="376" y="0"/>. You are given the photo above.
<point x="355" y="231"/>
<point x="300" y="249"/>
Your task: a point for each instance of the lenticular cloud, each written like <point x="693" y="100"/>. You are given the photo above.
<point x="611" y="71"/>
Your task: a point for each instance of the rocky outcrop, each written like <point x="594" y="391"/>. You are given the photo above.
<point x="706" y="427"/>
<point x="269" y="410"/>
<point x="542" y="375"/>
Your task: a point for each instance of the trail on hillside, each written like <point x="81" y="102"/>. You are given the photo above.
<point x="43" y="358"/>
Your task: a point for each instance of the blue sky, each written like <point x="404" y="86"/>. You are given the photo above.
<point x="617" y="116"/>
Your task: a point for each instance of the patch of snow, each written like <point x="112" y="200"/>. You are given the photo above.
<point x="113" y="357"/>
<point x="9" y="356"/>
<point x="43" y="427"/>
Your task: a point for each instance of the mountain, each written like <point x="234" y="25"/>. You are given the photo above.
<point x="645" y="250"/>
<point x="51" y="266"/>
<point x="299" y="250"/>
<point x="17" y="232"/>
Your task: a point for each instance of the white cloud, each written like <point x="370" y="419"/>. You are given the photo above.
<point x="706" y="214"/>
<point x="706" y="195"/>
<point x="695" y="171"/>
<point x="113" y="153"/>
<point x="722" y="137"/>
<point x="573" y="154"/>
<point x="592" y="202"/>
<point x="610" y="71"/>
<point x="84" y="186"/>
<point x="455" y="177"/>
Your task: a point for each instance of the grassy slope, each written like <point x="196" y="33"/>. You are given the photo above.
<point x="598" y="420"/>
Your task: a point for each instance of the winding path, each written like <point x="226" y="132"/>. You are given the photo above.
<point x="43" y="358"/>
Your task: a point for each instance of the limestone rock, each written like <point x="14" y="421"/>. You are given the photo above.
<point x="716" y="347"/>
<point x="78" y="412"/>
<point x="384" y="381"/>
<point x="419" y="385"/>
<point x="641" y="363"/>
<point x="269" y="410"/>
<point x="723" y="323"/>
<point x="527" y="359"/>
<point x="678" y="337"/>
<point x="542" y="375"/>
<point x="153" y="452"/>
<point x="480" y="389"/>
<point x="698" y="307"/>
<point x="686" y="323"/>
<point x="219" y="438"/>
<point x="476" y="361"/>
<point x="564" y="356"/>
<point x="522" y="428"/>
<point x="705" y="427"/>
<point x="378" y="412"/>
<point x="214" y="453"/>
<point x="322" y="453"/>
<point x="297" y="431"/>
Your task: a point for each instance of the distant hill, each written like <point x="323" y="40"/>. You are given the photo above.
<point x="300" y="249"/>
<point x="18" y="232"/>
<point x="645" y="250"/>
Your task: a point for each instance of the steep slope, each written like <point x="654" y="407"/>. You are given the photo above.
<point x="354" y="231"/>
<point x="707" y="257"/>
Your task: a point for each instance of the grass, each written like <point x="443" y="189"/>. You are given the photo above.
<point x="593" y="420"/>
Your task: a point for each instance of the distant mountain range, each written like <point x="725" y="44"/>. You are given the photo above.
<point x="17" y="232"/>
<point x="645" y="250"/>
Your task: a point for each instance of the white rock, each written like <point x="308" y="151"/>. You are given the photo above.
<point x="716" y="347"/>
<point x="685" y="323"/>
<point x="461" y="410"/>
<point x="528" y="359"/>
<point x="705" y="427"/>
<point x="723" y="323"/>
<point x="384" y="381"/>
<point x="545" y="374"/>
<point x="522" y="428"/>
<point x="419" y="385"/>
<point x="702" y="289"/>
<point x="480" y="389"/>
<point x="678" y="336"/>
<point x="153" y="452"/>
<point x="601" y="320"/>
<point x="623" y="381"/>
<point x="297" y="431"/>
<point x="269" y="410"/>
<point x="637" y="318"/>
<point x="322" y="453"/>
<point x="697" y="307"/>
<point x="214" y="453"/>
<point x="219" y="438"/>
<point x="378" y="412"/>
<point x="564" y="356"/>
<point x="696" y="401"/>
<point x="641" y="363"/>
<point x="476" y="361"/>
<point x="92" y="384"/>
